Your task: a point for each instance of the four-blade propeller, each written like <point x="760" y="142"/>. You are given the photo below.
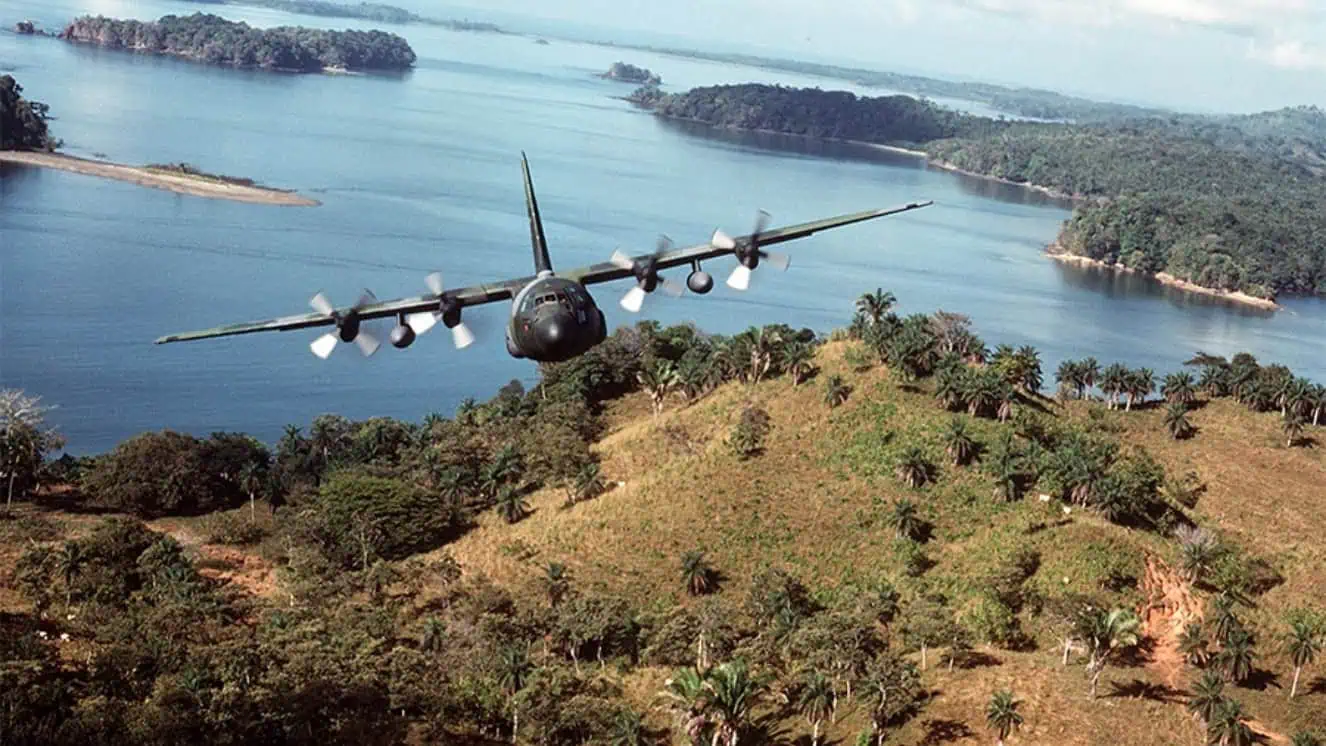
<point x="448" y="312"/>
<point x="646" y="274"/>
<point x="347" y="326"/>
<point x="749" y="253"/>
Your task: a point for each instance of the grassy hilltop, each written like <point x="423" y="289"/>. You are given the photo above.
<point x="890" y="535"/>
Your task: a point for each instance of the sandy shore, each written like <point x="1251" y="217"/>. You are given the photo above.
<point x="197" y="186"/>
<point x="1057" y="253"/>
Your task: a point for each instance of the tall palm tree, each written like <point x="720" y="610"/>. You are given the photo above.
<point x="513" y="666"/>
<point x="69" y="563"/>
<point x="1293" y="428"/>
<point x="835" y="391"/>
<point x="1229" y="725"/>
<point x="659" y="380"/>
<point x="696" y="573"/>
<point x="1316" y="403"/>
<point x="252" y="477"/>
<point x="1069" y="377"/>
<point x="1207" y="694"/>
<point x="958" y="443"/>
<point x="1106" y="633"/>
<point x="1176" y="420"/>
<point x="1005" y="397"/>
<point x="875" y="305"/>
<point x="556" y="581"/>
<point x="816" y="703"/>
<point x="628" y="729"/>
<point x="1088" y="372"/>
<point x="1193" y="644"/>
<point x="1002" y="714"/>
<point x="1303" y="646"/>
<point x="1113" y="381"/>
<point x="1030" y="376"/>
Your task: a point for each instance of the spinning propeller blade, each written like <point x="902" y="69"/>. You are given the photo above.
<point x="421" y="322"/>
<point x="646" y="276"/>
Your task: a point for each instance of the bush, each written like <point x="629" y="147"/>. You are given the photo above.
<point x="748" y="436"/>
<point x="232" y="528"/>
<point x="158" y="474"/>
<point x="356" y="518"/>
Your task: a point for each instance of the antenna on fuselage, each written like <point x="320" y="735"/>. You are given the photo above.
<point x="540" y="243"/>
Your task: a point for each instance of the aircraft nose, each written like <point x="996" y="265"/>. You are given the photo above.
<point x="554" y="329"/>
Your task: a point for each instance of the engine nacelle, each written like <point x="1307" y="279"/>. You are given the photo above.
<point x="401" y="336"/>
<point x="348" y="328"/>
<point x="700" y="282"/>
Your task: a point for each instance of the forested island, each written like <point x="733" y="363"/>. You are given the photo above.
<point x="892" y="535"/>
<point x="363" y="10"/>
<point x="214" y="40"/>
<point x="1229" y="204"/>
<point x="631" y="74"/>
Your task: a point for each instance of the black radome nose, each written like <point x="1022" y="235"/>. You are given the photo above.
<point x="553" y="330"/>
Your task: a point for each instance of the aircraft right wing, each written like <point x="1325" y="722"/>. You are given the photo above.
<point x="608" y="271"/>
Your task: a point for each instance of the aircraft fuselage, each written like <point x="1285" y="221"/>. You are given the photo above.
<point x="554" y="319"/>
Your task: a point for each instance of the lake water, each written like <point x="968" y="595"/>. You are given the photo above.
<point x="421" y="173"/>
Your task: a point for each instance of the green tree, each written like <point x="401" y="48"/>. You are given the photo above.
<point x="1106" y="633"/>
<point x="733" y="695"/>
<point x="836" y="391"/>
<point x="1303" y="645"/>
<point x="1207" y="694"/>
<point x="1293" y="428"/>
<point x="25" y="438"/>
<point x="815" y="703"/>
<point x="1229" y="725"/>
<point x="1002" y="714"/>
<point x="511" y="504"/>
<point x="1176" y="421"/>
<point x="907" y="524"/>
<point x="913" y="468"/>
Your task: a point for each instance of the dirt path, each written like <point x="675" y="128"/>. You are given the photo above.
<point x="178" y="183"/>
<point x="1170" y="608"/>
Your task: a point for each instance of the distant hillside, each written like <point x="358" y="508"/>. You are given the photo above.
<point x="214" y="40"/>
<point x="1229" y="204"/>
<point x="22" y="122"/>
<point x="363" y="10"/>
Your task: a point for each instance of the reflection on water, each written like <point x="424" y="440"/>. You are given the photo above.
<point x="1116" y="284"/>
<point x="1005" y="192"/>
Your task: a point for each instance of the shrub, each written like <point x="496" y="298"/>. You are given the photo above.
<point x="748" y="435"/>
<point x="159" y="474"/>
<point x="356" y="518"/>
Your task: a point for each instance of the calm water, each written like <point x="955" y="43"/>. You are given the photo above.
<point x="421" y="173"/>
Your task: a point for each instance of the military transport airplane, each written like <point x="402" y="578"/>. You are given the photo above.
<point x="553" y="316"/>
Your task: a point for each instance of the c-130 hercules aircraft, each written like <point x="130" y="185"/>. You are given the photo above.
<point x="553" y="316"/>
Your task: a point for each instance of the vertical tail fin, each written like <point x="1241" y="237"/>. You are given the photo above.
<point x="536" y="237"/>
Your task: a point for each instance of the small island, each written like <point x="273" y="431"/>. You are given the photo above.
<point x="365" y="11"/>
<point x="26" y="140"/>
<point x="1223" y="205"/>
<point x="631" y="74"/>
<point x="25" y="28"/>
<point x="214" y="40"/>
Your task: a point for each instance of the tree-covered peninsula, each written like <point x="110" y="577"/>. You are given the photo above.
<point x="363" y="10"/>
<point x="22" y="122"/>
<point x="215" y="40"/>
<point x="1227" y="203"/>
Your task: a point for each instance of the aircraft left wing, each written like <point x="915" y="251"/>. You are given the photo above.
<point x="469" y="296"/>
<point x="607" y="271"/>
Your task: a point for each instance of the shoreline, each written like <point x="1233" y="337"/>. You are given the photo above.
<point x="1056" y="252"/>
<point x="195" y="186"/>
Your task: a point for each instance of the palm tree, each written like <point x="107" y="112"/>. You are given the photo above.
<point x="511" y="504"/>
<point x="875" y="305"/>
<point x="913" y="468"/>
<point x="733" y="694"/>
<point x="512" y="667"/>
<point x="949" y="383"/>
<point x="1176" y="420"/>
<point x="1303" y="646"/>
<point x="1228" y="725"/>
<point x="1193" y="644"/>
<point x="1236" y="655"/>
<point x="1207" y="694"/>
<point x="797" y="358"/>
<point x="659" y="380"/>
<point x="434" y="630"/>
<point x="69" y="563"/>
<point x="957" y="442"/>
<point x="628" y="729"/>
<point x="1106" y="633"/>
<point x="696" y="573"/>
<point x="1088" y="372"/>
<point x="816" y="703"/>
<point x="835" y="391"/>
<point x="1002" y="714"/>
<point x="1316" y="402"/>
<point x="1113" y="381"/>
<point x="905" y="521"/>
<point x="1069" y="377"/>
<point x="505" y="468"/>
<point x="1030" y="376"/>
<point x="1138" y="386"/>
<point x="1293" y="427"/>
<point x="1178" y="388"/>
<point x="1005" y="398"/>
<point x="251" y="479"/>
<point x="1222" y="616"/>
<point x="556" y="581"/>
